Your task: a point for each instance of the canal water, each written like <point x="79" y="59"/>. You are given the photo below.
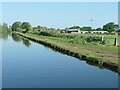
<point x="26" y="64"/>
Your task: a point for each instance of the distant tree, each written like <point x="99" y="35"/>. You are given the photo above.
<point x="0" y="28"/>
<point x="0" y="31"/>
<point x="93" y="29"/>
<point x="30" y="28"/>
<point x="116" y="27"/>
<point x="86" y="29"/>
<point x="16" y="25"/>
<point x="58" y="29"/>
<point x="5" y="31"/>
<point x="110" y="27"/>
<point x="38" y="27"/>
<point x="5" y="27"/>
<point x="34" y="28"/>
<point x="99" y="29"/>
<point x="75" y="27"/>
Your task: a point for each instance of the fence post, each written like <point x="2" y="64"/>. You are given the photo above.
<point x="102" y="38"/>
<point x="115" y="42"/>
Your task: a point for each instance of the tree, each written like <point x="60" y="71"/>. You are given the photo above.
<point x="38" y="27"/>
<point x="86" y="29"/>
<point x="110" y="27"/>
<point x="16" y="25"/>
<point x="30" y="28"/>
<point x="0" y="31"/>
<point x="75" y="27"/>
<point x="26" y="26"/>
<point x="5" y="27"/>
<point x="99" y="29"/>
<point x="5" y="31"/>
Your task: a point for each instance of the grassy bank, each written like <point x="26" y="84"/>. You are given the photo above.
<point x="104" y="39"/>
<point x="102" y="53"/>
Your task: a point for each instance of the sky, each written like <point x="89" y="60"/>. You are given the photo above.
<point x="60" y="0"/>
<point x="60" y="14"/>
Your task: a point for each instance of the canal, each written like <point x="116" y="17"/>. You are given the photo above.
<point x="27" y="64"/>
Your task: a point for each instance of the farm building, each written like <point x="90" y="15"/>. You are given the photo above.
<point x="72" y="31"/>
<point x="99" y="32"/>
<point x="85" y="32"/>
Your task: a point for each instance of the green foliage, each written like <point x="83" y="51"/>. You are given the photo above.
<point x="75" y="27"/>
<point x="104" y="42"/>
<point x="86" y="29"/>
<point x="19" y="26"/>
<point x="16" y="25"/>
<point x="72" y="38"/>
<point x="26" y="26"/>
<point x="99" y="29"/>
<point x="16" y="37"/>
<point x="93" y="39"/>
<point x="110" y="27"/>
<point x="5" y="31"/>
<point x="41" y="28"/>
<point x="26" y="42"/>
<point x="0" y="31"/>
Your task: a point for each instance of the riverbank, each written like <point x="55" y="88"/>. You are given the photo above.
<point x="99" y="55"/>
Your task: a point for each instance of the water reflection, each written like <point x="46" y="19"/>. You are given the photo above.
<point x="26" y="42"/>
<point x="17" y="38"/>
<point x="5" y="33"/>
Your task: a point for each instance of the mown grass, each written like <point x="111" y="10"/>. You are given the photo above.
<point x="100" y="52"/>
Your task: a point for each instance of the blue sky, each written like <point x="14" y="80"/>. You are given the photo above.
<point x="60" y="14"/>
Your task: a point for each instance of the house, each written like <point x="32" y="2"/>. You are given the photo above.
<point x="84" y="32"/>
<point x="72" y="30"/>
<point x="67" y="30"/>
<point x="99" y="32"/>
<point x="94" y="32"/>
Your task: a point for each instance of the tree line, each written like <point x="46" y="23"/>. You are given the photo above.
<point x="110" y="27"/>
<point x="26" y="26"/>
<point x="21" y="26"/>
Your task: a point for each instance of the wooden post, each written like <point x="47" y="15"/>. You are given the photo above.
<point x="115" y="42"/>
<point x="102" y="38"/>
<point x="118" y="41"/>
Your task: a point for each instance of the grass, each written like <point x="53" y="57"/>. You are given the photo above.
<point x="100" y="52"/>
<point x="80" y="38"/>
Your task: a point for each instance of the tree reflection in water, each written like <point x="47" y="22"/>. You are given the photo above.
<point x="17" y="38"/>
<point x="26" y="42"/>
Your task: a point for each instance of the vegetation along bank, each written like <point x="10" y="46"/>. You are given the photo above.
<point x="98" y="49"/>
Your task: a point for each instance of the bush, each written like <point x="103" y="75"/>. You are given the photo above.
<point x="93" y="39"/>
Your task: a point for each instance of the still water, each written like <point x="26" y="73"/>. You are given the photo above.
<point x="30" y="65"/>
